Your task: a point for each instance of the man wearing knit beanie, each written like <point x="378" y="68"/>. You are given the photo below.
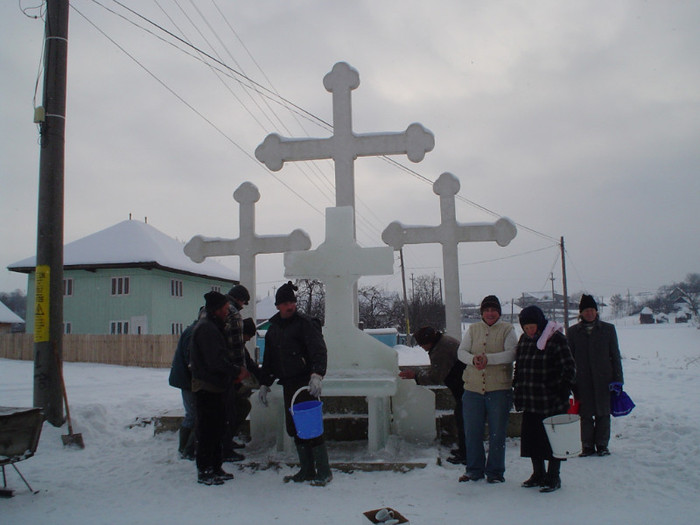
<point x="488" y="350"/>
<point x="598" y="364"/>
<point x="212" y="373"/>
<point x="296" y="356"/>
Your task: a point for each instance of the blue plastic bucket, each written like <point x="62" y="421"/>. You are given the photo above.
<point x="308" y="417"/>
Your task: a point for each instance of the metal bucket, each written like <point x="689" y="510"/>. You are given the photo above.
<point x="564" y="433"/>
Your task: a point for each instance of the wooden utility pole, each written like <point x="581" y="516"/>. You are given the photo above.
<point x="563" y="283"/>
<point x="48" y="319"/>
<point x="405" y="299"/>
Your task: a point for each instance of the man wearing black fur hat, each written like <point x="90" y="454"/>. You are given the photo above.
<point x="598" y="364"/>
<point x="296" y="355"/>
<point x="212" y="373"/>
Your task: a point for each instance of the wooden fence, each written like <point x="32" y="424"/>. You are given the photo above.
<point x="152" y="351"/>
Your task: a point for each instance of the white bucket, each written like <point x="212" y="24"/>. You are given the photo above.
<point x="564" y="433"/>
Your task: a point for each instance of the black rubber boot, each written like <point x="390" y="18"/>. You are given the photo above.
<point x="538" y="474"/>
<point x="552" y="480"/>
<point x="323" y="468"/>
<point x="306" y="461"/>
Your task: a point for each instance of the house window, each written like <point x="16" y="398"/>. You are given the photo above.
<point x="216" y="289"/>
<point x="119" y="327"/>
<point x="67" y="287"/>
<point x="67" y="327"/>
<point x="175" y="288"/>
<point x="120" y="286"/>
<point x="176" y="328"/>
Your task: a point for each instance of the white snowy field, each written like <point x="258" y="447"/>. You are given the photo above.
<point x="129" y="476"/>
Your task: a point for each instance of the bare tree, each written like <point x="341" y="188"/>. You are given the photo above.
<point x="311" y="298"/>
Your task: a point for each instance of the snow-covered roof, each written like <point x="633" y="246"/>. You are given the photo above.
<point x="8" y="316"/>
<point x="131" y="243"/>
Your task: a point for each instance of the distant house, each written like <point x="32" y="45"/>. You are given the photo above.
<point x="646" y="316"/>
<point x="7" y="319"/>
<point x="129" y="278"/>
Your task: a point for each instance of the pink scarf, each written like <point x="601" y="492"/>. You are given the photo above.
<point x="548" y="332"/>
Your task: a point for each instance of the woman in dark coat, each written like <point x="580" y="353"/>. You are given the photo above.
<point x="543" y="378"/>
<point x="595" y="348"/>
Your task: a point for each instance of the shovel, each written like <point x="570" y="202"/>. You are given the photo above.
<point x="71" y="440"/>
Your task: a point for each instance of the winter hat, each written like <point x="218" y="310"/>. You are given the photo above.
<point x="533" y="315"/>
<point x="492" y="302"/>
<point x="214" y="301"/>
<point x="285" y="294"/>
<point x="248" y="326"/>
<point x="587" y="301"/>
<point x="240" y="293"/>
<point x="426" y="335"/>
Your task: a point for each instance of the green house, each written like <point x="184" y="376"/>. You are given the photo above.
<point x="129" y="278"/>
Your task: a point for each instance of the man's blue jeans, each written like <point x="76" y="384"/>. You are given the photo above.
<point x="188" y="403"/>
<point x="491" y="407"/>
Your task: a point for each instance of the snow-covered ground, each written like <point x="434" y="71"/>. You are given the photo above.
<point x="126" y="475"/>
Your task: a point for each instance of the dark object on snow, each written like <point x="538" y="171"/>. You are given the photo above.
<point x="620" y="403"/>
<point x="20" y="429"/>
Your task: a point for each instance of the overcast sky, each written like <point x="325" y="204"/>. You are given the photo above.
<point x="578" y="119"/>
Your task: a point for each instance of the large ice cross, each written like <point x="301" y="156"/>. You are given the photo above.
<point x="344" y="146"/>
<point x="339" y="262"/>
<point x="450" y="233"/>
<point x="248" y="244"/>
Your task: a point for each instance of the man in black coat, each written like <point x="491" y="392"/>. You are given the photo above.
<point x="212" y="373"/>
<point x="598" y="363"/>
<point x="296" y="355"/>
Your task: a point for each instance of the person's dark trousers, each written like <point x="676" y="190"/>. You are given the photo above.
<point x="595" y="431"/>
<point x="459" y="421"/>
<point x="209" y="429"/>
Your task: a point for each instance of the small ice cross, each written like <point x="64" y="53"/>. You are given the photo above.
<point x="344" y="146"/>
<point x="339" y="262"/>
<point x="450" y="233"/>
<point x="248" y="244"/>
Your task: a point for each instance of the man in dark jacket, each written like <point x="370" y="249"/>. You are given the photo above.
<point x="445" y="369"/>
<point x="296" y="355"/>
<point x="181" y="377"/>
<point x="598" y="363"/>
<point x="212" y="373"/>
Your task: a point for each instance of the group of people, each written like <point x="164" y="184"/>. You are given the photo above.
<point x="491" y="370"/>
<point x="211" y="365"/>
<point x="487" y="372"/>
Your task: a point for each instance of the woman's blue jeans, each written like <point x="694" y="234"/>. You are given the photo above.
<point x="491" y="407"/>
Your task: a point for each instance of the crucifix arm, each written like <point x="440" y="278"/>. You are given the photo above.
<point x="275" y="150"/>
<point x="397" y="234"/>
<point x="199" y="248"/>
<point x="415" y="142"/>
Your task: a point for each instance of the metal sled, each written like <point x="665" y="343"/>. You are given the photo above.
<point x="20" y="429"/>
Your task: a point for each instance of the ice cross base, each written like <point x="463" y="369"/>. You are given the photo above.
<point x="394" y="406"/>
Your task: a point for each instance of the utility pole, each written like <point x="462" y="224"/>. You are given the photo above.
<point x="554" y="303"/>
<point x="48" y="325"/>
<point x="564" y="286"/>
<point x="405" y="299"/>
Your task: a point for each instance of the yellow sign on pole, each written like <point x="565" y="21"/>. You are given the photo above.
<point x="41" y="302"/>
